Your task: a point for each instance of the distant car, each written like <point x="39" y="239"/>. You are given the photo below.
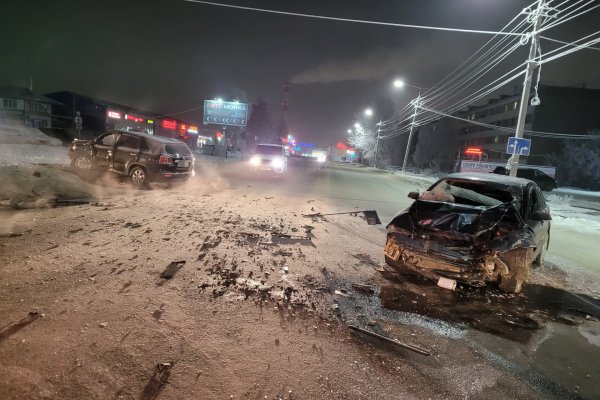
<point x="544" y="181"/>
<point x="269" y="158"/>
<point x="141" y="157"/>
<point x="472" y="228"/>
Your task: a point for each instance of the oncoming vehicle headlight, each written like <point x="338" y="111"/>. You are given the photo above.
<point x="322" y="158"/>
<point x="255" y="161"/>
<point x="277" y="163"/>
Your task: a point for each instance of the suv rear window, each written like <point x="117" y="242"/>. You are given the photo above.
<point x="269" y="150"/>
<point x="174" y="149"/>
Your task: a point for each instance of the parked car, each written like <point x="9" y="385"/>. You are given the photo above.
<point x="544" y="181"/>
<point x="269" y="158"/>
<point x="470" y="229"/>
<point x="141" y="157"/>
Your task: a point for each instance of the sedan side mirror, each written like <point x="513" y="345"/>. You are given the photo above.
<point x="541" y="216"/>
<point x="414" y="195"/>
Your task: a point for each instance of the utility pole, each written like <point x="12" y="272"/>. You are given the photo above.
<point x="412" y="127"/>
<point x="531" y="64"/>
<point x="377" y="141"/>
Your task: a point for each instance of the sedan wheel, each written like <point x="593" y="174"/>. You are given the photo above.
<point x="518" y="262"/>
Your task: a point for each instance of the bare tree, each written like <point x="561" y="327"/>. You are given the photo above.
<point x="364" y="139"/>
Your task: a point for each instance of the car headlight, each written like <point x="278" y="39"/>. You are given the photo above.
<point x="255" y="161"/>
<point x="277" y="163"/>
<point x="321" y="159"/>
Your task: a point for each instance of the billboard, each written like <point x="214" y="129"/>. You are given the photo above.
<point x="225" y="113"/>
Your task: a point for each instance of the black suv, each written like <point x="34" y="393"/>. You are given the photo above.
<point x="141" y="157"/>
<point x="544" y="181"/>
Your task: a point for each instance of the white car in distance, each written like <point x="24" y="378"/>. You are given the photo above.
<point x="269" y="158"/>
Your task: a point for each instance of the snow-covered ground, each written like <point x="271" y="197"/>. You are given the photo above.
<point x="33" y="154"/>
<point x="22" y="144"/>
<point x="577" y="192"/>
<point x="565" y="213"/>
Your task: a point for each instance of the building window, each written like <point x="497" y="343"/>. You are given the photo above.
<point x="9" y="103"/>
<point x="39" y="107"/>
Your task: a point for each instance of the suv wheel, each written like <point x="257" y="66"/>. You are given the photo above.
<point x="138" y="176"/>
<point x="82" y="162"/>
<point x="518" y="262"/>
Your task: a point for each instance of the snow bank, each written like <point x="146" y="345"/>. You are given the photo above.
<point x="22" y="144"/>
<point x="577" y="192"/>
<point x="33" y="154"/>
<point x="36" y="186"/>
<point x="565" y="213"/>
<point x="14" y="131"/>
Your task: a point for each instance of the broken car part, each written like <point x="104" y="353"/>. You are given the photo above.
<point x="410" y="347"/>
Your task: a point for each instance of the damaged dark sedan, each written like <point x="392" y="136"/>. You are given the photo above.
<point x="471" y="229"/>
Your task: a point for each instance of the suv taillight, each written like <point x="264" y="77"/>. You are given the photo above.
<point x="165" y="160"/>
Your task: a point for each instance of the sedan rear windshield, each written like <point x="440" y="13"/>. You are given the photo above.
<point x="269" y="150"/>
<point x="175" y="149"/>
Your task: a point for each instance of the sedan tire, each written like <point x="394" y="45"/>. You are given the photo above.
<point x="518" y="262"/>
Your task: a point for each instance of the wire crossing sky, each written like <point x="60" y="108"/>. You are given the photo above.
<point x="360" y="21"/>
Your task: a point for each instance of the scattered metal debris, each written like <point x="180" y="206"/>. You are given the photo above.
<point x="367" y="289"/>
<point x="11" y="234"/>
<point x="368" y="215"/>
<point x="172" y="269"/>
<point x="522" y="321"/>
<point x="162" y="372"/>
<point x="58" y="202"/>
<point x="14" y="328"/>
<point x="406" y="346"/>
<point x="365" y="258"/>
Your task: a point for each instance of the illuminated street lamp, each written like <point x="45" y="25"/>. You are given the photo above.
<point x="417" y="102"/>
<point x="369" y="112"/>
<point x="349" y="130"/>
<point x="357" y="125"/>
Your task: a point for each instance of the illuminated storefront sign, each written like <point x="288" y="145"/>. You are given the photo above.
<point x="183" y="127"/>
<point x="193" y="129"/>
<point x="169" y="124"/>
<point x="150" y="121"/>
<point x="114" y="114"/>
<point x="132" y="118"/>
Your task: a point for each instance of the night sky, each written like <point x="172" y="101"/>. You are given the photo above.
<point x="169" y="55"/>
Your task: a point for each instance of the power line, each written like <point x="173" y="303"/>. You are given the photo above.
<point x="572" y="49"/>
<point x="566" y="18"/>
<point x="324" y="17"/>
<point x="181" y="112"/>
<point x="567" y="43"/>
<point x="512" y="130"/>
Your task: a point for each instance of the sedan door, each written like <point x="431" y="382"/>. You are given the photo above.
<point x="536" y="202"/>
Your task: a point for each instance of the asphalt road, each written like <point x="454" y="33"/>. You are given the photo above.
<point x="571" y="262"/>
<point x="350" y="187"/>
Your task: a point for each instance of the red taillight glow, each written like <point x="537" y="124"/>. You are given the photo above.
<point x="164" y="160"/>
<point x="474" y="151"/>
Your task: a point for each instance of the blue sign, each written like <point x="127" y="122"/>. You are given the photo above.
<point x="518" y="146"/>
<point x="225" y="113"/>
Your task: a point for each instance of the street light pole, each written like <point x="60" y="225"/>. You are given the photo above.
<point x="523" y="105"/>
<point x="412" y="127"/>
